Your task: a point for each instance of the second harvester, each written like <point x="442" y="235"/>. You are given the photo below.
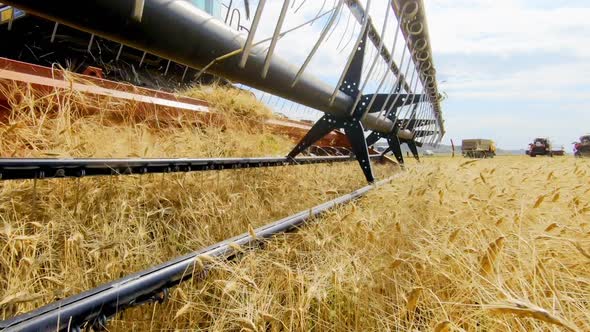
<point x="541" y="146"/>
<point x="582" y="148"/>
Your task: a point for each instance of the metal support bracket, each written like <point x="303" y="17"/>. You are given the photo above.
<point x="395" y="147"/>
<point x="354" y="131"/>
<point x="392" y="140"/>
<point x="373" y="138"/>
<point x="352" y="125"/>
<point x="413" y="148"/>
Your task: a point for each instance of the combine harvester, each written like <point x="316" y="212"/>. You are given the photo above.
<point x="541" y="146"/>
<point x="397" y="101"/>
<point x="582" y="148"/>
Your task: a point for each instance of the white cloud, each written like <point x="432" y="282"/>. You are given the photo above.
<point x="552" y="82"/>
<point x="518" y="68"/>
<point x="506" y="27"/>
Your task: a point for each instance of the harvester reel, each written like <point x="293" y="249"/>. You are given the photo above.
<point x="352" y="126"/>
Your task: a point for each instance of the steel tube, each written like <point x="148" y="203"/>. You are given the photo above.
<point x="251" y="33"/>
<point x="40" y="168"/>
<point x="318" y="42"/>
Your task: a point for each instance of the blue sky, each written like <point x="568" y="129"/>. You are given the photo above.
<point x="512" y="69"/>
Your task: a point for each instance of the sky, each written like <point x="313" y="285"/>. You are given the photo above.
<point x="512" y="70"/>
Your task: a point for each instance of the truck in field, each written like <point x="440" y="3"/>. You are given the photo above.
<point x="541" y="146"/>
<point x="478" y="148"/>
<point x="582" y="148"/>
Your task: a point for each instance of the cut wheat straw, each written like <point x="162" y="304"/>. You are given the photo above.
<point x="61" y="237"/>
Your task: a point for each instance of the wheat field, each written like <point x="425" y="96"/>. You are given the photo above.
<point x="449" y="245"/>
<point x="59" y="237"/>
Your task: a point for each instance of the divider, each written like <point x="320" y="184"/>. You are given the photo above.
<point x="42" y="168"/>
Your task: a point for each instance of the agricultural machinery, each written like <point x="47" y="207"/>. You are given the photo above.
<point x="541" y="146"/>
<point x="582" y="148"/>
<point x="478" y="148"/>
<point x="141" y="50"/>
<point x="33" y="39"/>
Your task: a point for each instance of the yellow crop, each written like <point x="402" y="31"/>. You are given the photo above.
<point x="450" y="245"/>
